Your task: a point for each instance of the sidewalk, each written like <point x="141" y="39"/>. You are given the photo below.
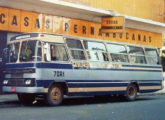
<point x="8" y="97"/>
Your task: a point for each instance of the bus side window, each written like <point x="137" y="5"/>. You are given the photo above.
<point x="152" y="56"/>
<point x="58" y="53"/>
<point x="118" y="52"/>
<point x="76" y="49"/>
<point x="47" y="56"/>
<point x="39" y="51"/>
<point x="136" y="54"/>
<point x="96" y="51"/>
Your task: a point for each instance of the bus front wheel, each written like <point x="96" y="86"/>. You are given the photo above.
<point x="54" y="96"/>
<point x="131" y="92"/>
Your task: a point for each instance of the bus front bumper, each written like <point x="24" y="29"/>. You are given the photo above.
<point x="9" y="89"/>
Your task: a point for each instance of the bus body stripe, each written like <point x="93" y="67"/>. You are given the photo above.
<point x="142" y="66"/>
<point x="144" y="81"/>
<point x="96" y="93"/>
<point x="121" y="69"/>
<point x="104" y="83"/>
<point x="101" y="86"/>
<point x="54" y="65"/>
<point x="22" y="65"/>
<point x="75" y="85"/>
<point x="97" y="89"/>
<point x="149" y="87"/>
<point x="69" y="66"/>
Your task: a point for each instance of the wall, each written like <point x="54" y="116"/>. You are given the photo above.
<point x="3" y="39"/>
<point x="147" y="9"/>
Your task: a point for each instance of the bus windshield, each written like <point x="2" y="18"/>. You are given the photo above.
<point x="13" y="50"/>
<point x="30" y="50"/>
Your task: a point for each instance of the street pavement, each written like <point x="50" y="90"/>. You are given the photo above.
<point x="146" y="107"/>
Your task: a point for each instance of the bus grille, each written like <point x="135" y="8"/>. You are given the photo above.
<point x="16" y="82"/>
<point x="20" y="82"/>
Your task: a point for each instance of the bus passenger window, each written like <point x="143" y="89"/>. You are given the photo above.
<point x="79" y="55"/>
<point x="119" y="57"/>
<point x="58" y="53"/>
<point x="136" y="55"/>
<point x="118" y="52"/>
<point x="76" y="49"/>
<point x="137" y="59"/>
<point x="93" y="55"/>
<point x="96" y="51"/>
<point x="39" y="51"/>
<point x="105" y="56"/>
<point x="152" y="56"/>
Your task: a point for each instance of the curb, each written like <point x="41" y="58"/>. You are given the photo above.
<point x="143" y="94"/>
<point x="7" y="93"/>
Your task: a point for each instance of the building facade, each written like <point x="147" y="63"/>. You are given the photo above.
<point x="143" y="24"/>
<point x="146" y="9"/>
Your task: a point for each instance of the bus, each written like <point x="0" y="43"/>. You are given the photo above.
<point x="53" y="66"/>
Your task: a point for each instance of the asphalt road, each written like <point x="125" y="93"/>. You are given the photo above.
<point x="148" y="107"/>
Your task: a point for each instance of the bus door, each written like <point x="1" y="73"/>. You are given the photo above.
<point x="3" y="42"/>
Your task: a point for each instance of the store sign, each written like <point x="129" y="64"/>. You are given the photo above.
<point x="113" y="24"/>
<point x="24" y="21"/>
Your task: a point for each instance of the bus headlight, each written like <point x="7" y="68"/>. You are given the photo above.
<point x="28" y="82"/>
<point x="5" y="82"/>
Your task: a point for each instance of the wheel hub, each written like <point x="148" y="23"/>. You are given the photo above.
<point x="131" y="92"/>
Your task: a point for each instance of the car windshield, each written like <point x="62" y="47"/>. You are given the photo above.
<point x="13" y="50"/>
<point x="30" y="51"/>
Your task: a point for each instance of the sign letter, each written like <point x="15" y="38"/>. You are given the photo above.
<point x="14" y="22"/>
<point x="1" y="18"/>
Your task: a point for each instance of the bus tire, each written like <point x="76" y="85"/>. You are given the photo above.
<point x="26" y="98"/>
<point x="55" y="95"/>
<point x="131" y="92"/>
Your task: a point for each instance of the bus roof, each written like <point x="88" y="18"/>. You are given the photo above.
<point x="47" y="37"/>
<point x="24" y="36"/>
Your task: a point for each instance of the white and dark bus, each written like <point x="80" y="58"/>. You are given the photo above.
<point x="40" y="64"/>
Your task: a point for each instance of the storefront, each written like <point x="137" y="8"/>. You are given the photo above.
<point x="21" y="21"/>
